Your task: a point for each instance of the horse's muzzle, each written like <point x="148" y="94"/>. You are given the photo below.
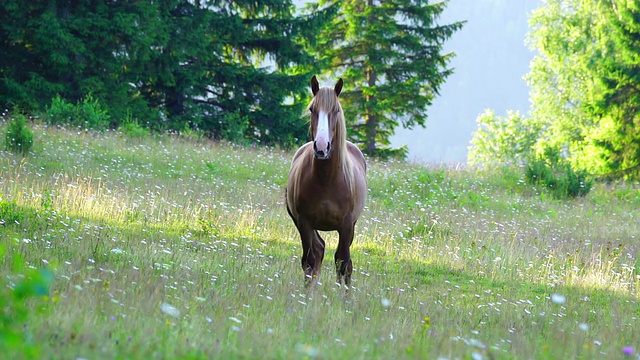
<point x="322" y="154"/>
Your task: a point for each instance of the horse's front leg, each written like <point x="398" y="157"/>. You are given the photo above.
<point x="318" y="251"/>
<point x="309" y="255"/>
<point x="344" y="267"/>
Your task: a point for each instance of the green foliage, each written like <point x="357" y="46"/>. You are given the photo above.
<point x="132" y="129"/>
<point x="15" y="338"/>
<point x="171" y="64"/>
<point x="584" y="99"/>
<point x="232" y="127"/>
<point x="503" y="140"/>
<point x="87" y="113"/>
<point x="390" y="55"/>
<point x="9" y="213"/>
<point x="388" y="153"/>
<point x="61" y="112"/>
<point x="559" y="178"/>
<point x="92" y="115"/>
<point x="616" y="139"/>
<point x="19" y="138"/>
<point x="584" y="83"/>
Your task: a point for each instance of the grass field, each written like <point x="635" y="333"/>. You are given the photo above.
<point x="165" y="247"/>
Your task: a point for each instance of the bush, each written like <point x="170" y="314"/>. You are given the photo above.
<point x="93" y="116"/>
<point x="232" y="127"/>
<point x="131" y="129"/>
<point x="19" y="138"/>
<point x="60" y="112"/>
<point x="16" y="340"/>
<point x="388" y="153"/>
<point x="559" y="178"/>
<point x="87" y="113"/>
<point x="503" y="140"/>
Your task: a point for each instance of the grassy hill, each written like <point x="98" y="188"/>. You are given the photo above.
<point x="176" y="247"/>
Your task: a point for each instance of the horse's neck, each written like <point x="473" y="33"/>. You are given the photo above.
<point x="331" y="167"/>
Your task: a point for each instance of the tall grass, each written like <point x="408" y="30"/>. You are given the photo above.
<point x="167" y="247"/>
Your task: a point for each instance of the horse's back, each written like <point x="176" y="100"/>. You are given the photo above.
<point x="357" y="156"/>
<point x="360" y="178"/>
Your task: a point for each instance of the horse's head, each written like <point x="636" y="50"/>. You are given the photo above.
<point x="326" y="117"/>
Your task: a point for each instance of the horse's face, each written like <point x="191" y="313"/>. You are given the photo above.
<point x="325" y="110"/>
<point x="323" y="129"/>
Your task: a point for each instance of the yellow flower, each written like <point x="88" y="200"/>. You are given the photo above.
<point x="427" y="322"/>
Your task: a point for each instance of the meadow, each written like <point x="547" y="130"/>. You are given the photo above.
<point x="177" y="247"/>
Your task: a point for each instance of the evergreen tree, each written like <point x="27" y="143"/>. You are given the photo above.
<point x="171" y="63"/>
<point x="390" y="56"/>
<point x="235" y="94"/>
<point x="71" y="49"/>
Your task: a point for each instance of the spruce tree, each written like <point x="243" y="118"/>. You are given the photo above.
<point x="169" y="64"/>
<point x="391" y="58"/>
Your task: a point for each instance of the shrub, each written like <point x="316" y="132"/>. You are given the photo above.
<point x="233" y="127"/>
<point x="19" y="138"/>
<point x="15" y="338"/>
<point x="132" y="129"/>
<point x="503" y="140"/>
<point x="559" y="178"/>
<point x="60" y="112"/>
<point x="86" y="113"/>
<point x="388" y="153"/>
<point x="92" y="115"/>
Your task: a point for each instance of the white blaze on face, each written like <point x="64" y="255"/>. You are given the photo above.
<point x="323" y="139"/>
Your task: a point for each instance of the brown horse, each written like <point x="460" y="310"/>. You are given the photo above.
<point x="327" y="185"/>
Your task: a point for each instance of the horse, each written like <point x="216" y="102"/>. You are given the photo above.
<point x="327" y="186"/>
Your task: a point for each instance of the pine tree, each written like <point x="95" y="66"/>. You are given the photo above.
<point x="390" y="56"/>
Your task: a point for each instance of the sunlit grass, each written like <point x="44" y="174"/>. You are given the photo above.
<point x="173" y="247"/>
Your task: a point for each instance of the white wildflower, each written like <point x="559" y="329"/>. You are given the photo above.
<point x="170" y="310"/>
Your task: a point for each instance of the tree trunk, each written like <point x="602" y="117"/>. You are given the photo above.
<point x="371" y="120"/>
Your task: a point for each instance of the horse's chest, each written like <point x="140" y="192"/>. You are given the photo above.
<point x="327" y="214"/>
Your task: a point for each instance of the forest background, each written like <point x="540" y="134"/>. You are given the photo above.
<point x="238" y="70"/>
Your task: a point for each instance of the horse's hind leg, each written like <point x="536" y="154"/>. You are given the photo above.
<point x="344" y="266"/>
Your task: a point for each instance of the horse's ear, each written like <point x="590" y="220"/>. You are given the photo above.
<point x="338" y="87"/>
<point x="315" y="87"/>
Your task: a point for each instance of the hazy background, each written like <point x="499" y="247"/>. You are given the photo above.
<point x="491" y="60"/>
